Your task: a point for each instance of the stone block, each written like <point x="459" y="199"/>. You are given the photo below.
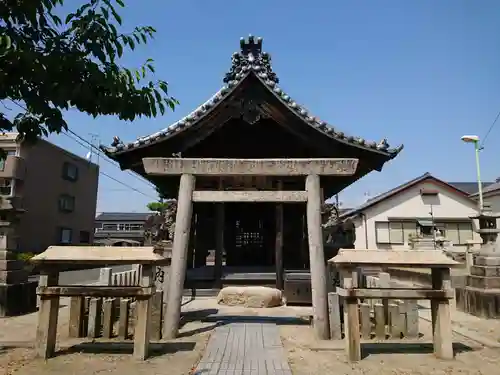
<point x="479" y="302"/>
<point x="13" y="277"/>
<point x="11" y="265"/>
<point x="156" y="315"/>
<point x="250" y="296"/>
<point x="487" y="271"/>
<point x="7" y="255"/>
<point x="484" y="282"/>
<point x="18" y="299"/>
<point x="487" y="261"/>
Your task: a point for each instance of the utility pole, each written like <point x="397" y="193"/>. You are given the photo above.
<point x="433" y="226"/>
<point x="94" y="141"/>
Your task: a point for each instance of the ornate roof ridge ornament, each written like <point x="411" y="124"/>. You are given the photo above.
<point x="250" y="58"/>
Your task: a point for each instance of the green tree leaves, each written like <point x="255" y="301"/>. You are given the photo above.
<point x="47" y="65"/>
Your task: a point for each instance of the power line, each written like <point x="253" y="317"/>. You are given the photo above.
<point x="490" y="129"/>
<point x="99" y="152"/>
<point x="113" y="178"/>
<point x="124" y="184"/>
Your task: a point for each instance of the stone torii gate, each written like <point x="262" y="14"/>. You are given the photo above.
<point x="190" y="168"/>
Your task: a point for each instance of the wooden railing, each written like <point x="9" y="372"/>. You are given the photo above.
<point x="110" y="317"/>
<point x="380" y="319"/>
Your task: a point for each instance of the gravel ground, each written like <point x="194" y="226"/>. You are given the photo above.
<point x="306" y="355"/>
<point x="308" y="358"/>
<point x="78" y="356"/>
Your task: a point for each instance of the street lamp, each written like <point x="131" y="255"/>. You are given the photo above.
<point x="475" y="140"/>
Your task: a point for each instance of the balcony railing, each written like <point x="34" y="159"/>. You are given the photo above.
<point x="13" y="167"/>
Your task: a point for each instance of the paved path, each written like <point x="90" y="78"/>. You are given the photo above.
<point x="244" y="349"/>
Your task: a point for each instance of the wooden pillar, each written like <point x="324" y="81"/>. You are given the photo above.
<point x="48" y="312"/>
<point x="280" y="282"/>
<point x="192" y="241"/>
<point x="351" y="318"/>
<point x="179" y="256"/>
<point x="144" y="305"/>
<point x="317" y="258"/>
<point x="219" y="239"/>
<point x="441" y="318"/>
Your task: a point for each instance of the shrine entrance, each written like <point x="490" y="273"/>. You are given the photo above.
<point x="249" y="234"/>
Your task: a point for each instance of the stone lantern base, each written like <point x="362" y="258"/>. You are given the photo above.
<point x="481" y="296"/>
<point x="17" y="294"/>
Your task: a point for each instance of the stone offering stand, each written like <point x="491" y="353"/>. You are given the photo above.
<point x="55" y="258"/>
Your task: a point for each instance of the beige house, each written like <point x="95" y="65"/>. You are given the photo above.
<point x="424" y="206"/>
<point x="56" y="189"/>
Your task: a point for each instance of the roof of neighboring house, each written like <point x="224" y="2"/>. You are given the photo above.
<point x="123" y="216"/>
<point x="388" y="194"/>
<point x="490" y="188"/>
<point x="470" y="187"/>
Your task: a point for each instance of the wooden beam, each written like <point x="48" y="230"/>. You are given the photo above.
<point x="256" y="167"/>
<point x="94" y="291"/>
<point x="375" y="293"/>
<point x="249" y="196"/>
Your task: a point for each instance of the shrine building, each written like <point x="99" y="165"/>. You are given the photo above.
<point x="250" y="239"/>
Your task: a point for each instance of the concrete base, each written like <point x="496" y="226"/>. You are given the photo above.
<point x="480" y="302"/>
<point x="17" y="299"/>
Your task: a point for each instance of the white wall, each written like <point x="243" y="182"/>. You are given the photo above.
<point x="410" y="204"/>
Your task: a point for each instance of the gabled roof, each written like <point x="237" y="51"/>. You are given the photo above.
<point x="250" y="60"/>
<point x="470" y="187"/>
<point x="399" y="189"/>
<point x="123" y="216"/>
<point x="490" y="188"/>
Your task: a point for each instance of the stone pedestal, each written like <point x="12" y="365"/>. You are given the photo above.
<point x="481" y="295"/>
<point x="17" y="295"/>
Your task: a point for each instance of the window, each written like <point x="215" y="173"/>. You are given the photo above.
<point x="6" y="186"/>
<point x="3" y="160"/>
<point x="409" y="230"/>
<point x="459" y="233"/>
<point x="109" y="227"/>
<point x="65" y="235"/>
<point x="394" y="232"/>
<point x="84" y="236"/>
<point x="70" y="171"/>
<point x="124" y="227"/>
<point x="66" y="203"/>
<point x="129" y="227"/>
<point x="428" y="228"/>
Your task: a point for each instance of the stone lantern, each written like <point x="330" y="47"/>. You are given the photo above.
<point x="481" y="294"/>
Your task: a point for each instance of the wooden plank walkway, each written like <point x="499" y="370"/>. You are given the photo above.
<point x="244" y="349"/>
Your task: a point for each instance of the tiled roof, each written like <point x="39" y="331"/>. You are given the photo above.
<point x="251" y="60"/>
<point x="123" y="216"/>
<point x="469" y="187"/>
<point x="494" y="186"/>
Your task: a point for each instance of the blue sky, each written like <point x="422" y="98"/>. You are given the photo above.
<point x="418" y="72"/>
